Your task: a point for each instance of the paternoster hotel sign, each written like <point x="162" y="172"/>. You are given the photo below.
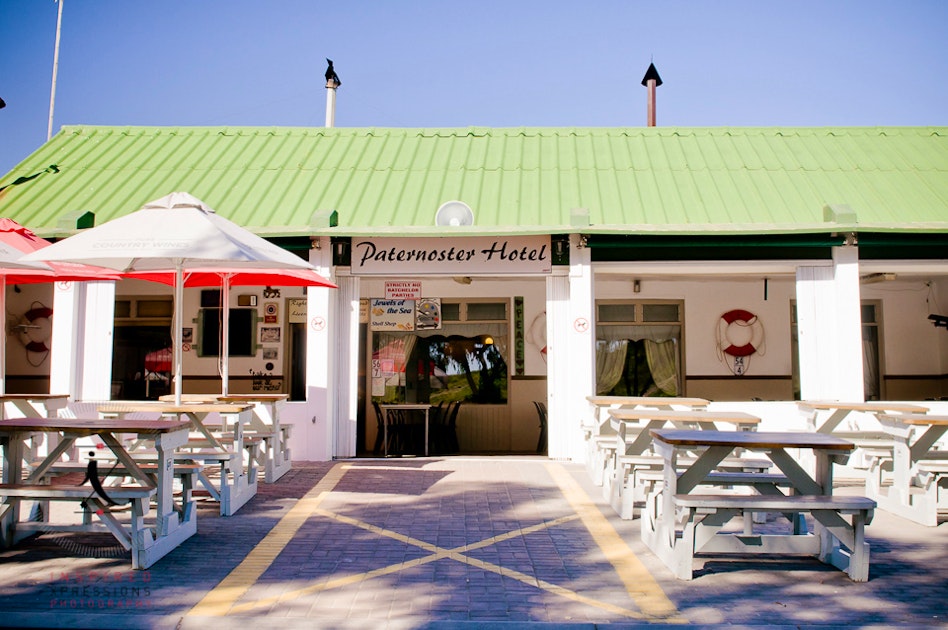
<point x="489" y="255"/>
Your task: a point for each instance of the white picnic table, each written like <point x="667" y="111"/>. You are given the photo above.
<point x="842" y="419"/>
<point x="264" y="423"/>
<point x="686" y="514"/>
<point x="235" y="455"/>
<point x="918" y="489"/>
<point x="601" y="437"/>
<point x="147" y="540"/>
<point x="633" y="458"/>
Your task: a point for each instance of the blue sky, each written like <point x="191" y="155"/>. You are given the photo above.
<point x="423" y="63"/>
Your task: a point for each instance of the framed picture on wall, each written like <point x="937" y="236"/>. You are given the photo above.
<point x="270" y="334"/>
<point x="271" y="353"/>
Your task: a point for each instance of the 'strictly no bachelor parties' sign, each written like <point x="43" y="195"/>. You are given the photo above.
<point x="488" y="255"/>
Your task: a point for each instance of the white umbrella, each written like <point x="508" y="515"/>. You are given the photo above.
<point x="176" y="232"/>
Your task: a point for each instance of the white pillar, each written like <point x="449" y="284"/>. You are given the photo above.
<point x="316" y="441"/>
<point x="82" y="340"/>
<point x="559" y="372"/>
<point x="571" y="353"/>
<point x="850" y="381"/>
<point x="346" y="359"/>
<point x="829" y="329"/>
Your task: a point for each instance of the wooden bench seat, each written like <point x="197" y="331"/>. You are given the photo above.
<point x="131" y="536"/>
<point x="636" y="475"/>
<point x="706" y="514"/>
<point x="933" y="466"/>
<point x="109" y="468"/>
<point x="71" y="492"/>
<point x="766" y="503"/>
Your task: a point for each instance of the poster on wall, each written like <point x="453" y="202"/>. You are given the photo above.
<point x="428" y="316"/>
<point x="296" y="310"/>
<point x="270" y="335"/>
<point x="392" y="315"/>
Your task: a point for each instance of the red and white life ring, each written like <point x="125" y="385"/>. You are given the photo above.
<point x="35" y="328"/>
<point x="740" y="317"/>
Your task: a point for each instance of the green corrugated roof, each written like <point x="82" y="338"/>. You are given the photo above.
<point x="663" y="180"/>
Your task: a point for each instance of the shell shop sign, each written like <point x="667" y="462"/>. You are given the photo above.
<point x="487" y="255"/>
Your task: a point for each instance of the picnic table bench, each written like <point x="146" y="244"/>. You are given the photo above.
<point x="274" y="457"/>
<point x="910" y="478"/>
<point x="626" y="479"/>
<point x="838" y="535"/>
<point x="601" y="436"/>
<point x="840" y="418"/>
<point x="148" y="539"/>
<point x="229" y="451"/>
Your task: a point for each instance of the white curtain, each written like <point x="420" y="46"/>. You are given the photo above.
<point x="663" y="364"/>
<point x="661" y="351"/>
<point x="610" y="361"/>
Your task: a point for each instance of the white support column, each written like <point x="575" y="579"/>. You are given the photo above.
<point x="317" y="434"/>
<point x="829" y="329"/>
<point x="346" y="346"/>
<point x="82" y="340"/>
<point x="571" y="366"/>
<point x="850" y="382"/>
<point x="558" y="369"/>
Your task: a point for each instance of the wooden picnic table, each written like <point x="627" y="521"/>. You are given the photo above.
<point x="834" y="539"/>
<point x="147" y="542"/>
<point x="919" y="471"/>
<point x="632" y="426"/>
<point x="264" y="423"/>
<point x="839" y="411"/>
<point x="601" y="437"/>
<point x="238" y="473"/>
<point x="33" y="405"/>
<point x="840" y="419"/>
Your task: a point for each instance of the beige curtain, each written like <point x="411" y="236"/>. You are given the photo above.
<point x="662" y="363"/>
<point x="610" y="361"/>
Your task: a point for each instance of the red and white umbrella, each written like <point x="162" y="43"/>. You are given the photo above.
<point x="224" y="279"/>
<point x="17" y="241"/>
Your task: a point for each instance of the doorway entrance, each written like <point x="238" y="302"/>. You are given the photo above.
<point x="131" y="379"/>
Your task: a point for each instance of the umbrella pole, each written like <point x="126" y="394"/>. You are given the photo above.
<point x="225" y="334"/>
<point x="178" y="322"/>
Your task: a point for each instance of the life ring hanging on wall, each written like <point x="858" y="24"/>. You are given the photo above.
<point x="740" y="317"/>
<point x="34" y="333"/>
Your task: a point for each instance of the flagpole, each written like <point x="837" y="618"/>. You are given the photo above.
<point x="52" y="92"/>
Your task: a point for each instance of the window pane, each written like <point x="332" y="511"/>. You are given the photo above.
<point x="868" y="314"/>
<point x="450" y="312"/>
<point x="155" y="308"/>
<point x="242" y="338"/>
<point x="123" y="308"/>
<point x="469" y="369"/>
<point x="660" y="312"/>
<point x="487" y="311"/>
<point x="616" y="313"/>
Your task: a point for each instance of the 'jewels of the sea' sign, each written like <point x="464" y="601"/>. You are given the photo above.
<point x="452" y="256"/>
